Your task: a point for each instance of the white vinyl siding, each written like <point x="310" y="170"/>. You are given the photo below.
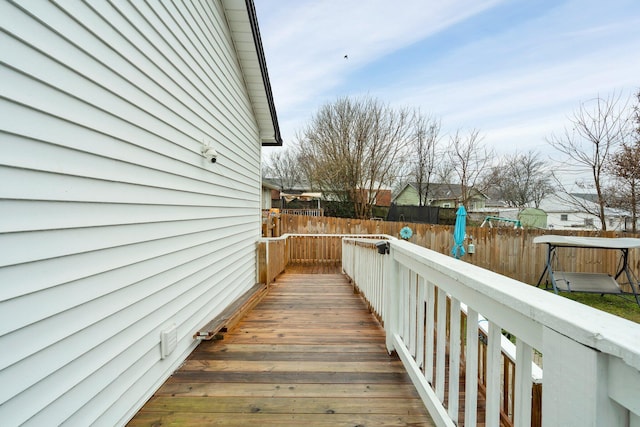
<point x="407" y="197"/>
<point x="112" y="224"/>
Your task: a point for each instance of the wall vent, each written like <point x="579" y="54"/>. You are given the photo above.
<point x="168" y="341"/>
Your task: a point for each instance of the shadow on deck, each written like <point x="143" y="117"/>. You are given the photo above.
<point x="310" y="353"/>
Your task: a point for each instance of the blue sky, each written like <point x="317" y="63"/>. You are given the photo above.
<point x="514" y="69"/>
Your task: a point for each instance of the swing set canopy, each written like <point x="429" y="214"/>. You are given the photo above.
<point x="589" y="242"/>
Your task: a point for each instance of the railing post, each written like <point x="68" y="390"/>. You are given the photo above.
<point x="575" y="385"/>
<point x="391" y="298"/>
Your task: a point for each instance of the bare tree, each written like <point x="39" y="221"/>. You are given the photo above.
<point x="597" y="129"/>
<point x="469" y="158"/>
<point x="625" y="166"/>
<point x="353" y="148"/>
<point x="424" y="155"/>
<point x="284" y="167"/>
<point x="521" y="178"/>
<point x="444" y="172"/>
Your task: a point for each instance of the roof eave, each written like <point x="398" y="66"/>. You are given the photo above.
<point x="251" y="57"/>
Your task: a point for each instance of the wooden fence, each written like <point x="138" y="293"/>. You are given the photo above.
<point x="510" y="252"/>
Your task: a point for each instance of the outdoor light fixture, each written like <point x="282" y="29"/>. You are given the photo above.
<point x="209" y="153"/>
<point x="383" y="247"/>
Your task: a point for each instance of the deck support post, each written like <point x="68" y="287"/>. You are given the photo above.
<point x="579" y="373"/>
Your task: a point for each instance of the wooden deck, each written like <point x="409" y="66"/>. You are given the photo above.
<point x="310" y="353"/>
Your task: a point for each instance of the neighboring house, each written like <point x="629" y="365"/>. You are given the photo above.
<point x="268" y="190"/>
<point x="279" y="194"/>
<point x="383" y="196"/>
<point x="441" y="195"/>
<point x="298" y="187"/>
<point x="115" y="229"/>
<point x="563" y="214"/>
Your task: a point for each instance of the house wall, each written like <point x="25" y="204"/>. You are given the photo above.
<point x="407" y="197"/>
<point x="574" y="220"/>
<point x="266" y="198"/>
<point x="477" y="203"/>
<point x="113" y="226"/>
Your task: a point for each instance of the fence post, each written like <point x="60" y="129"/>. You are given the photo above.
<point x="262" y="253"/>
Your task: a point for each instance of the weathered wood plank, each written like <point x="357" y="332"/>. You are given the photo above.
<point x="400" y="391"/>
<point x="379" y="356"/>
<point x="287" y="366"/>
<point x="291" y="348"/>
<point x="258" y="419"/>
<point x="286" y="405"/>
<point x="309" y="353"/>
<point x="292" y="377"/>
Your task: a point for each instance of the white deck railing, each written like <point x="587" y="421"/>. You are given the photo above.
<point x="591" y="358"/>
<point x="304" y="212"/>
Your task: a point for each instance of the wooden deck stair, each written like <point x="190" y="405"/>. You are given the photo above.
<point x="310" y="353"/>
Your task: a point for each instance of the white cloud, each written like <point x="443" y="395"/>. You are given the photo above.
<point x="517" y="84"/>
<point x="306" y="42"/>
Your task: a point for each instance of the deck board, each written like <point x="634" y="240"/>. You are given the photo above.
<point x="310" y="353"/>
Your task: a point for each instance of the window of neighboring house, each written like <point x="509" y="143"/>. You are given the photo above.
<point x="588" y="222"/>
<point x="446" y="205"/>
<point x="564" y="217"/>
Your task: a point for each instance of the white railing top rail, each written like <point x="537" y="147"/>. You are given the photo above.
<point x="524" y="307"/>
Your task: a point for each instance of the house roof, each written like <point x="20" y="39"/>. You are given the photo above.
<point x="243" y="22"/>
<point x="269" y="185"/>
<point x="301" y="186"/>
<point x="554" y="203"/>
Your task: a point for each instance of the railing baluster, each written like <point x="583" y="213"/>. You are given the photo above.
<point x="471" y="366"/>
<point x="413" y="312"/>
<point x="523" y="384"/>
<point x="405" y="302"/>
<point x="422" y="290"/>
<point x="492" y="414"/>
<point x="430" y="348"/>
<point x="454" y="359"/>
<point x="441" y="338"/>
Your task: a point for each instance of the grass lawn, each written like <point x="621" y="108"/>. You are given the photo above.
<point x="626" y="308"/>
